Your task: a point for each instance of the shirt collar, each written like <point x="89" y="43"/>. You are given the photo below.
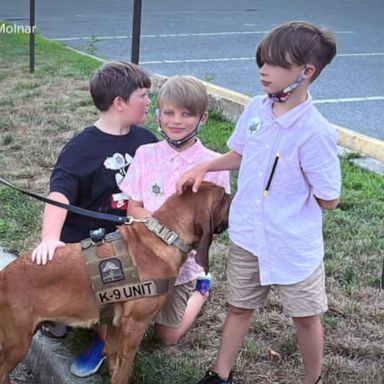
<point x="290" y="117"/>
<point x="189" y="155"/>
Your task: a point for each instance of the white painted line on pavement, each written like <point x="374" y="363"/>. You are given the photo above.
<point x="349" y="100"/>
<point x="223" y="59"/>
<point x="173" y="35"/>
<point x="360" y="54"/>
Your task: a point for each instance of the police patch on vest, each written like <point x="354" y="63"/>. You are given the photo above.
<point x="111" y="270"/>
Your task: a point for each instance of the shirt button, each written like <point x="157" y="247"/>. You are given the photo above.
<point x="258" y="201"/>
<point x="260" y="173"/>
<point x="267" y="146"/>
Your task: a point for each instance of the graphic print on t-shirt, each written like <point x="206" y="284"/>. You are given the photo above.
<point x="118" y="162"/>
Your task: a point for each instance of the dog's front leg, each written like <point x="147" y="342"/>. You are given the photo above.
<point x="15" y="339"/>
<point x="10" y="357"/>
<point x="133" y="323"/>
<point x="131" y="334"/>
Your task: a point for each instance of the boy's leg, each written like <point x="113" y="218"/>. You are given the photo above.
<point x="178" y="314"/>
<point x="235" y="327"/>
<point x="101" y="330"/>
<point x="171" y="336"/>
<point x="305" y="302"/>
<point x="310" y="339"/>
<point x="244" y="294"/>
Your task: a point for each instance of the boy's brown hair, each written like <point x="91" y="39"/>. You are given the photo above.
<point x="297" y="42"/>
<point x="184" y="92"/>
<point x="116" y="78"/>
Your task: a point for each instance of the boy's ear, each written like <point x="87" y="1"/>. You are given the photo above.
<point x="204" y="118"/>
<point x="118" y="103"/>
<point x="157" y="116"/>
<point x="309" y="71"/>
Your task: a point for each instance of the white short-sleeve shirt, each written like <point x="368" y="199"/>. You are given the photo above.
<point x="283" y="228"/>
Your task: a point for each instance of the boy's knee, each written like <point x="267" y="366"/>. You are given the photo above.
<point x="167" y="340"/>
<point x="167" y="337"/>
<point x="236" y="311"/>
<point x="306" y="322"/>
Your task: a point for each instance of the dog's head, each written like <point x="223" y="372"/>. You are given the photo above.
<point x="197" y="216"/>
<point x="211" y="217"/>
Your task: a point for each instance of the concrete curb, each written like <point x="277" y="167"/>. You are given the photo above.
<point x="49" y="360"/>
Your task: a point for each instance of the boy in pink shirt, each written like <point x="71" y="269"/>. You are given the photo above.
<point x="286" y="154"/>
<point x="151" y="179"/>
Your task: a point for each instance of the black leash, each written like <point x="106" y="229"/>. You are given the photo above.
<point x="71" y="208"/>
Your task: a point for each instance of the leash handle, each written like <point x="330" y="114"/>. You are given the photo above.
<point x="71" y="208"/>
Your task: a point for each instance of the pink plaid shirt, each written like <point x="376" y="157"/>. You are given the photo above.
<point x="284" y="228"/>
<point x="151" y="179"/>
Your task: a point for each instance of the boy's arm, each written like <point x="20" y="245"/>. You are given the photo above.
<point x="135" y="209"/>
<point x="328" y="204"/>
<point x="321" y="167"/>
<point x="53" y="221"/>
<point x="229" y="161"/>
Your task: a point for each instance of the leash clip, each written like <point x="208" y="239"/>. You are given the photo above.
<point x="130" y="220"/>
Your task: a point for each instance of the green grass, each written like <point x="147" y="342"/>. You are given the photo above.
<point x="19" y="216"/>
<point x="39" y="112"/>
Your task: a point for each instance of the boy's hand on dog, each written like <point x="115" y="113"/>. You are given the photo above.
<point x="45" y="250"/>
<point x="193" y="177"/>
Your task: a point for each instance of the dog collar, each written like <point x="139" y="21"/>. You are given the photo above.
<point x="168" y="236"/>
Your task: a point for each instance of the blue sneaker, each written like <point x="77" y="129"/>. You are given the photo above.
<point x="90" y="360"/>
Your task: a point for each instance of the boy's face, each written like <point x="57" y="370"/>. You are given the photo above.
<point x="274" y="78"/>
<point x="137" y="106"/>
<point x="178" y="123"/>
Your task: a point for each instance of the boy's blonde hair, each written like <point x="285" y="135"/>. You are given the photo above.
<point x="184" y="92"/>
<point x="297" y="42"/>
<point x="116" y="78"/>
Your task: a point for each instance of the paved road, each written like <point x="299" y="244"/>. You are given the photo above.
<point x="216" y="39"/>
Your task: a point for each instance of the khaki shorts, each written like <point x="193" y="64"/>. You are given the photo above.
<point x="172" y="314"/>
<point x="306" y="298"/>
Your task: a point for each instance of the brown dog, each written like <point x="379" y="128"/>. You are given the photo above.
<point x="62" y="291"/>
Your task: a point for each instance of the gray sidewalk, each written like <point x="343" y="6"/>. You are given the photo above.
<point x="49" y="360"/>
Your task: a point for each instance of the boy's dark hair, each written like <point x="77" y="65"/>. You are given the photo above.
<point x="184" y="92"/>
<point x="297" y="42"/>
<point x="116" y="78"/>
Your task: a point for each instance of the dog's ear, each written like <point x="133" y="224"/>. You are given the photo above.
<point x="204" y="221"/>
<point x="212" y="218"/>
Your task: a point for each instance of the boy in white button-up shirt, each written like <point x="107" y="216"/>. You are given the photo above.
<point x="286" y="154"/>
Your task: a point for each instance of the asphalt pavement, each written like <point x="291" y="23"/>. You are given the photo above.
<point x="215" y="40"/>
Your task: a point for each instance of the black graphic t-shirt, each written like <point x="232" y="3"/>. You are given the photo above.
<point x="88" y="171"/>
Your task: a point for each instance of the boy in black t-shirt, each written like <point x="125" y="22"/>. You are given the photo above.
<point x="88" y="173"/>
